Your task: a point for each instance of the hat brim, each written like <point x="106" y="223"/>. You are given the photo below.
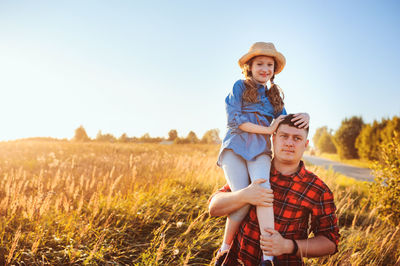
<point x="279" y="58"/>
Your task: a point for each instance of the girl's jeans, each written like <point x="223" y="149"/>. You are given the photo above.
<point x="240" y="172"/>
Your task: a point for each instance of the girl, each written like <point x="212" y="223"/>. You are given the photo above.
<point x="253" y="113"/>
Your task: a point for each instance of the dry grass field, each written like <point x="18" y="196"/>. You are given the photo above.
<point x="65" y="203"/>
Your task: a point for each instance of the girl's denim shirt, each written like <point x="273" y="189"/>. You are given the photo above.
<point x="247" y="145"/>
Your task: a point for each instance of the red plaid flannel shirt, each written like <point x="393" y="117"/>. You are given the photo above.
<point x="303" y="203"/>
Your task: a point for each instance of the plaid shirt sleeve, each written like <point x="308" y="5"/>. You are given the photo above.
<point x="323" y="220"/>
<point x="225" y="188"/>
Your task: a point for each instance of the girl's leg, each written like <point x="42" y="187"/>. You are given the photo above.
<point x="236" y="174"/>
<point x="260" y="169"/>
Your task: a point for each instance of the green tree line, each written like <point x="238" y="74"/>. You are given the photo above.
<point x="378" y="143"/>
<point x="356" y="140"/>
<point x="210" y="137"/>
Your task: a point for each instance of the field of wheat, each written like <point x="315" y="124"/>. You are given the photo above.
<point x="144" y="204"/>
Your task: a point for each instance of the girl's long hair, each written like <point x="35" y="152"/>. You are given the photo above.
<point x="250" y="94"/>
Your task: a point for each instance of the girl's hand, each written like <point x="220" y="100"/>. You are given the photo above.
<point x="301" y="120"/>
<point x="275" y="123"/>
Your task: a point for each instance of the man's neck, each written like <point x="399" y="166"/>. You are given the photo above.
<point x="286" y="168"/>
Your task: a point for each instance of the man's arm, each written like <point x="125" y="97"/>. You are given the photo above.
<point x="326" y="232"/>
<point x="276" y="245"/>
<point x="224" y="203"/>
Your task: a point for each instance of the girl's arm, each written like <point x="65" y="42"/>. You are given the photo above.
<point x="258" y="129"/>
<point x="233" y="105"/>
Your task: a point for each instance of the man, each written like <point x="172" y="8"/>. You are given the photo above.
<point x="302" y="204"/>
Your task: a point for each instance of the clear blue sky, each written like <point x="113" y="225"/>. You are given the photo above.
<point x="152" y="66"/>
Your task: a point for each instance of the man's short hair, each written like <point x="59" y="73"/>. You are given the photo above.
<point x="288" y="121"/>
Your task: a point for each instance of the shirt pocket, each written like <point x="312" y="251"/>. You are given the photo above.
<point x="292" y="217"/>
<point x="288" y="228"/>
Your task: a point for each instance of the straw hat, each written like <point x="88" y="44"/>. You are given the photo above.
<point x="267" y="49"/>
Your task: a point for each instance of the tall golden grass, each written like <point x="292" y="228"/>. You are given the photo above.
<point x="143" y="204"/>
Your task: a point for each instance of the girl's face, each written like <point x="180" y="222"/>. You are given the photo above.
<point x="262" y="69"/>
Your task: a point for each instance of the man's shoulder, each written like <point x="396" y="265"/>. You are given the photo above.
<point x="315" y="180"/>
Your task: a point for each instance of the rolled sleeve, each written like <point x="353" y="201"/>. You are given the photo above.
<point x="233" y="104"/>
<point x="225" y="188"/>
<point x="325" y="220"/>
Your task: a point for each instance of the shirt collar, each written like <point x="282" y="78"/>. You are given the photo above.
<point x="299" y="174"/>
<point x="259" y="86"/>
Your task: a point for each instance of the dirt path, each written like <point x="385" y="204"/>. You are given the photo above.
<point x="359" y="173"/>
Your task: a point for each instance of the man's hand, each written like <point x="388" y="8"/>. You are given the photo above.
<point x="257" y="195"/>
<point x="273" y="244"/>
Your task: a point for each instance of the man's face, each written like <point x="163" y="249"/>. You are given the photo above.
<point x="289" y="144"/>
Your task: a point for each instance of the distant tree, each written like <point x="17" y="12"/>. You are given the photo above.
<point x="105" y="137"/>
<point x="364" y="142"/>
<point x="211" y="136"/>
<point x="145" y="138"/>
<point x="373" y="136"/>
<point x="80" y="134"/>
<point x="323" y="140"/>
<point x="172" y="134"/>
<point x="374" y="139"/>
<point x="325" y="143"/>
<point x="123" y="138"/>
<point x="391" y="130"/>
<point x="369" y="140"/>
<point x="345" y="137"/>
<point x="385" y="191"/>
<point x="192" y="137"/>
<point x="318" y="133"/>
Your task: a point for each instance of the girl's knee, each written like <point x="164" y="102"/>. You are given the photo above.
<point x="266" y="184"/>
